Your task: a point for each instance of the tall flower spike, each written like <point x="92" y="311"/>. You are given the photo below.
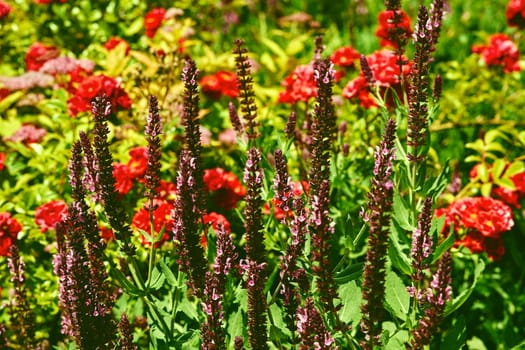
<point x="422" y="242"/>
<point x="439" y="293"/>
<point x="298" y="228"/>
<point x="187" y="217"/>
<point x="234" y="119"/>
<point x="126" y="334"/>
<point x="379" y="214"/>
<point x="22" y="317"/>
<point x="192" y="133"/>
<point x="103" y="302"/>
<point x="101" y="108"/>
<point x="255" y="264"/>
<point x="311" y="328"/>
<point x="247" y="96"/>
<point x="425" y="36"/>
<point x="153" y="132"/>
<point x="323" y="126"/>
<point x="253" y="178"/>
<point x="213" y="333"/>
<point x="90" y="165"/>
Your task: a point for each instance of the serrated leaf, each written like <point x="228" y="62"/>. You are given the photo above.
<point x="350" y="295"/>
<point x="396" y="295"/>
<point x="157" y="279"/>
<point x="188" y="309"/>
<point x="235" y="326"/>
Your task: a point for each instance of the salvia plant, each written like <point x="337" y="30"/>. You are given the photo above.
<point x="296" y="271"/>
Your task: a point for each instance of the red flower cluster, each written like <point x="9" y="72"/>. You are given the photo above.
<point x="516" y="13"/>
<point x="385" y="70"/>
<point x="220" y="84"/>
<point x="500" y="52"/>
<point x="28" y="134"/>
<point x="214" y="219"/>
<point x="123" y="178"/>
<point x="389" y="30"/>
<point x="298" y="188"/>
<point x="345" y="56"/>
<point x="508" y="196"/>
<point x="3" y="156"/>
<point x="5" y="9"/>
<point x="38" y="54"/>
<point x="299" y="85"/>
<point x="479" y="223"/>
<point x="114" y="42"/>
<point x="9" y="229"/>
<point x="153" y="20"/>
<point x="138" y="162"/>
<point x="133" y="170"/>
<point x="98" y="85"/>
<point x="226" y="187"/>
<point x="49" y="214"/>
<point x="161" y="219"/>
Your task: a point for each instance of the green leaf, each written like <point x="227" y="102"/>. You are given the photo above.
<point x="520" y="346"/>
<point x="515" y="168"/>
<point x="129" y="287"/>
<point x="443" y="246"/>
<point x="350" y="295"/>
<point x="464" y="295"/>
<point x="157" y="279"/>
<point x="188" y="309"/>
<point x="497" y="168"/>
<point x="396" y="296"/>
<point x="456" y="335"/>
<point x="350" y="273"/>
<point x="170" y="276"/>
<point x="486" y="188"/>
<point x="401" y="214"/>
<point x="398" y="257"/>
<point x="235" y="326"/>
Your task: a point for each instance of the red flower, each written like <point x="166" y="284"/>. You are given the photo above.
<point x="98" y="85"/>
<point x="479" y="222"/>
<point x="161" y="219"/>
<point x="389" y="31"/>
<point x="123" y="178"/>
<point x="153" y="20"/>
<point x="9" y="229"/>
<point x="138" y="163"/>
<point x="226" y="187"/>
<point x="345" y="56"/>
<point x="38" y="54"/>
<point x="516" y="13"/>
<point x="220" y="84"/>
<point x="214" y="219"/>
<point x="106" y="233"/>
<point x="4" y="9"/>
<point x="49" y="214"/>
<point x="299" y="85"/>
<point x="3" y="156"/>
<point x="28" y="134"/>
<point x="114" y="42"/>
<point x="500" y="52"/>
<point x="385" y="70"/>
<point x="167" y="191"/>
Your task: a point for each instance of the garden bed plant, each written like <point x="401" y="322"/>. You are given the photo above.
<point x="261" y="175"/>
